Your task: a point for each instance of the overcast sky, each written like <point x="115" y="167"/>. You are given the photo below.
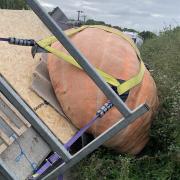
<point x="137" y="14"/>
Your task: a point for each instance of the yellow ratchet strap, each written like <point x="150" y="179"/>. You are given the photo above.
<point x="121" y="87"/>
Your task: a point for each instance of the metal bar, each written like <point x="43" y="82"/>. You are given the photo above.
<point x="6" y="172"/>
<point x="123" y="123"/>
<point x="33" y="119"/>
<point x="82" y="61"/>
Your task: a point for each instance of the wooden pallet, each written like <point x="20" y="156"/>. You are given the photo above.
<point x="12" y="123"/>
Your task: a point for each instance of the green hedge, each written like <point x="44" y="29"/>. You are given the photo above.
<point x="13" y="4"/>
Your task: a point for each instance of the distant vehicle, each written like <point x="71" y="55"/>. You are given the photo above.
<point x="135" y="37"/>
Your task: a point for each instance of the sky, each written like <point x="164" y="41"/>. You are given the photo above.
<point x="152" y="15"/>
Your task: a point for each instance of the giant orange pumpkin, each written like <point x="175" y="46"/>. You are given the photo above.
<point x="81" y="98"/>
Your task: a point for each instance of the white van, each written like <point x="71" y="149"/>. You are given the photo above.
<point x="136" y="38"/>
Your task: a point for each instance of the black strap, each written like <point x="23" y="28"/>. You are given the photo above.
<point x="122" y="96"/>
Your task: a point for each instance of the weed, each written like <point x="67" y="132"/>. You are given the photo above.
<point x="160" y="159"/>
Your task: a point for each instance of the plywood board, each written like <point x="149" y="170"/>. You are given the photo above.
<point x="12" y="123"/>
<point x="17" y="66"/>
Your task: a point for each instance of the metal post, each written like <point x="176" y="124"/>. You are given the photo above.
<point x="82" y="61"/>
<point x="33" y="119"/>
<point x="79" y="12"/>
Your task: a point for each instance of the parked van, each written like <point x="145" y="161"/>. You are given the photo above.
<point x="136" y="38"/>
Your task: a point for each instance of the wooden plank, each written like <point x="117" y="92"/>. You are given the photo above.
<point x="17" y="113"/>
<point x="5" y="138"/>
<point x="5" y="128"/>
<point x="1" y="141"/>
<point x="18" y="131"/>
<point x="2" y="148"/>
<point x="10" y="114"/>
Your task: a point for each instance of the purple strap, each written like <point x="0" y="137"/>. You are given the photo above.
<point x="55" y="157"/>
<point x="4" y="39"/>
<point x="60" y="177"/>
<point x="80" y="133"/>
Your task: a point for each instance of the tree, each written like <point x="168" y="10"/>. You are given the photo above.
<point x="129" y="30"/>
<point x="147" y="35"/>
<point x="13" y="4"/>
<point x="117" y="27"/>
<point x="93" y="22"/>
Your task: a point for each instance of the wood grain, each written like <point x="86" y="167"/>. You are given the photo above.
<point x="2" y="148"/>
<point x="17" y="66"/>
<point x="17" y="113"/>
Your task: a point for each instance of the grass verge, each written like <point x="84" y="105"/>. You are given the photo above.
<point x="160" y="159"/>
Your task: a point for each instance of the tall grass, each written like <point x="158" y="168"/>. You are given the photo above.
<point x="161" y="157"/>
